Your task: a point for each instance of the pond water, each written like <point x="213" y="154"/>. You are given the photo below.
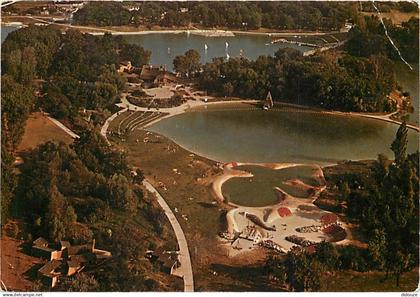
<point x="5" y="30"/>
<point x="282" y="135"/>
<point x="259" y="189"/>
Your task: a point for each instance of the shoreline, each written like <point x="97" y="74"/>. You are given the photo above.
<point x="190" y="106"/>
<point x="240" y="217"/>
<point x="222" y="32"/>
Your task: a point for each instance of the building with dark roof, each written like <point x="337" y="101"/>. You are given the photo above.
<point x="156" y="75"/>
<point x="50" y="272"/>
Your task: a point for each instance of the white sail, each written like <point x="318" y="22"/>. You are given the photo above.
<point x="227" y="56"/>
<point x="227" y="45"/>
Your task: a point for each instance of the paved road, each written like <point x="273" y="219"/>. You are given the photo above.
<point x="185" y="270"/>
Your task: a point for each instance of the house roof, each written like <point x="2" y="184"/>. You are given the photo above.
<point x="49" y="268"/>
<point x="148" y="72"/>
<point x="40" y="241"/>
<point x="125" y="63"/>
<point x="64" y="244"/>
<point x="78" y="249"/>
<point x="43" y="248"/>
<point x="168" y="260"/>
<point x="83" y="258"/>
<point x="166" y="75"/>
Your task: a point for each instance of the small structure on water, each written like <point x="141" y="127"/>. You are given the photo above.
<point x="268" y="102"/>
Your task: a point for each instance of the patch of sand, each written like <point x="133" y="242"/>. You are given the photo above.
<point x="16" y="266"/>
<point x="39" y="129"/>
<point x="303" y="213"/>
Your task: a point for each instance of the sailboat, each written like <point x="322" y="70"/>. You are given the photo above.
<point x="268" y="102"/>
<point x="205" y="48"/>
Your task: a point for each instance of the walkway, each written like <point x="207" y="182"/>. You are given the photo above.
<point x="108" y="121"/>
<point x="185" y="270"/>
<point x="64" y="128"/>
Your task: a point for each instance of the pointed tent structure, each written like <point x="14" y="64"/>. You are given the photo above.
<point x="268" y="101"/>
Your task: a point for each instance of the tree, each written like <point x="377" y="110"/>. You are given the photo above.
<point x="228" y="89"/>
<point x="327" y="254"/>
<point x="276" y="270"/>
<point x="399" y="145"/>
<point x="187" y="64"/>
<point x="120" y="193"/>
<point x="136" y="54"/>
<point x="303" y="270"/>
<point x="377" y="248"/>
<point x="82" y="282"/>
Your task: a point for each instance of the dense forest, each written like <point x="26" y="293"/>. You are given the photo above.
<point x="383" y="200"/>
<point x="61" y="74"/>
<point x="235" y="15"/>
<point x="368" y="38"/>
<point x="86" y="191"/>
<point x="346" y="83"/>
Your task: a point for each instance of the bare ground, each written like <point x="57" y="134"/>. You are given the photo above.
<point x="39" y="129"/>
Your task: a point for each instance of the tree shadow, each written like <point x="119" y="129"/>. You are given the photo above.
<point x="254" y="278"/>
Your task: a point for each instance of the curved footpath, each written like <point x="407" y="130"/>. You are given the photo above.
<point x="108" y="121"/>
<point x="185" y="270"/>
<point x="198" y="103"/>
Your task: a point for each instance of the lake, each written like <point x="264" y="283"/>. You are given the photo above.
<point x="5" y="30"/>
<point x="282" y="135"/>
<point x="252" y="46"/>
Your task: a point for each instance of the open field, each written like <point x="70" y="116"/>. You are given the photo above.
<point x="369" y="282"/>
<point x="39" y="129"/>
<point x="17" y="268"/>
<point x="397" y="17"/>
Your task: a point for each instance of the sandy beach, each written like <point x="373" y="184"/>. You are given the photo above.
<point x="275" y="223"/>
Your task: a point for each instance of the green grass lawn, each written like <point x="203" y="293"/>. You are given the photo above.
<point x="370" y="282"/>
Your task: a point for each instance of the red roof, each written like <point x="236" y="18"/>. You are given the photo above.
<point x="329" y="218"/>
<point x="284" y="212"/>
